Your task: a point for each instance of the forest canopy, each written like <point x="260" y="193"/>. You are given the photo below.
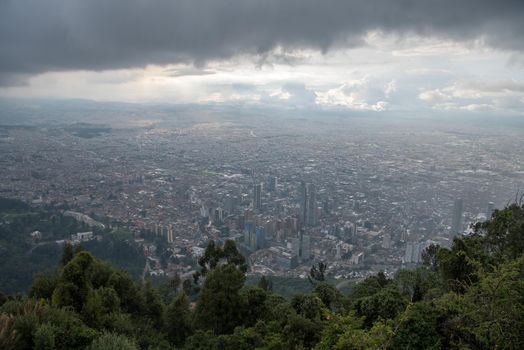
<point x="470" y="296"/>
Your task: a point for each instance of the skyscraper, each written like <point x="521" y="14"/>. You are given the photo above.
<point x="248" y="230"/>
<point x="311" y="214"/>
<point x="305" y="247"/>
<point x="408" y="255"/>
<point x="308" y="204"/>
<point x="260" y="238"/>
<point x="489" y="210"/>
<point x="386" y="241"/>
<point x="456" y="224"/>
<point x="303" y="202"/>
<point x="169" y="234"/>
<point x="257" y="200"/>
<point x="272" y="184"/>
<point x="295" y="246"/>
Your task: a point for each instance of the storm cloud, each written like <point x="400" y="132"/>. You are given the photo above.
<point x="54" y="35"/>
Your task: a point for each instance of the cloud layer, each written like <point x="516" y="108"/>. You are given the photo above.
<point x="54" y="35"/>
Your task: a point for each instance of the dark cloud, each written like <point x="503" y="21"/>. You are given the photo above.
<point x="38" y="36"/>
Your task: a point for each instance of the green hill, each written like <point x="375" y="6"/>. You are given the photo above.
<point x="470" y="296"/>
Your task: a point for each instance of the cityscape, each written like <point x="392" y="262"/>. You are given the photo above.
<point x="352" y="193"/>
<point x="261" y="174"/>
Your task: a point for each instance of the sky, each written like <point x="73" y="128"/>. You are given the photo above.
<point x="373" y="55"/>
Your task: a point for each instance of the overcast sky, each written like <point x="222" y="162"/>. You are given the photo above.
<point x="374" y="55"/>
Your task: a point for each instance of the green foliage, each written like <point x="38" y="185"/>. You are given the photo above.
<point x="154" y="308"/>
<point x="301" y="332"/>
<point x="317" y="273"/>
<point x="178" y="320"/>
<point x="418" y="284"/>
<point x="45" y="337"/>
<point x="100" y="307"/>
<point x="369" y="286"/>
<point x="67" y="254"/>
<point x="470" y="296"/>
<point x="429" y="256"/>
<point x="504" y="232"/>
<point x="286" y="286"/>
<point x="43" y="286"/>
<point x="385" y="304"/>
<point x="418" y="328"/>
<point x="22" y="257"/>
<point x="459" y="265"/>
<point x="309" y="306"/>
<point x="108" y="341"/>
<point x="265" y="284"/>
<point x="215" y="256"/>
<point x="330" y="296"/>
<point x="219" y="305"/>
<point x="346" y="333"/>
<point x="254" y="305"/>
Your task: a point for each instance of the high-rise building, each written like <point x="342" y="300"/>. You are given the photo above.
<point x="305" y="247"/>
<point x="311" y="214"/>
<point x="386" y="241"/>
<point x="301" y="246"/>
<point x="456" y="224"/>
<point x="169" y="234"/>
<point x="257" y="199"/>
<point x="413" y="253"/>
<point x="408" y="254"/>
<point x="248" y="230"/>
<point x="272" y="184"/>
<point x="303" y="202"/>
<point x="295" y="246"/>
<point x="308" y="204"/>
<point x="230" y="203"/>
<point x="489" y="210"/>
<point x="260" y="238"/>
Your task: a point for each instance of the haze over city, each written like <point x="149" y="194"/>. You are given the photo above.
<point x="327" y="141"/>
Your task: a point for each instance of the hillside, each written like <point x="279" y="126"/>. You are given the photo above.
<point x="470" y="296"/>
<point x="31" y="242"/>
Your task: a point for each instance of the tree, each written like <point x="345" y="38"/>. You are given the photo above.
<point x="215" y="255"/>
<point x="417" y="328"/>
<point x="369" y="286"/>
<point x="346" y="333"/>
<point x="385" y="304"/>
<point x="417" y="283"/>
<point x="43" y="286"/>
<point x="219" y="306"/>
<point x="132" y="301"/>
<point x="493" y="309"/>
<point x="330" y="296"/>
<point x="74" y="282"/>
<point x="459" y="264"/>
<point x="265" y="284"/>
<point x="429" y="256"/>
<point x="110" y="341"/>
<point x="309" y="306"/>
<point x="301" y="332"/>
<point x="154" y="308"/>
<point x="504" y="233"/>
<point x="254" y="305"/>
<point x="67" y="254"/>
<point x="45" y="337"/>
<point x="178" y="320"/>
<point x="100" y="306"/>
<point x="201" y="340"/>
<point x="317" y="273"/>
<point x="7" y="336"/>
